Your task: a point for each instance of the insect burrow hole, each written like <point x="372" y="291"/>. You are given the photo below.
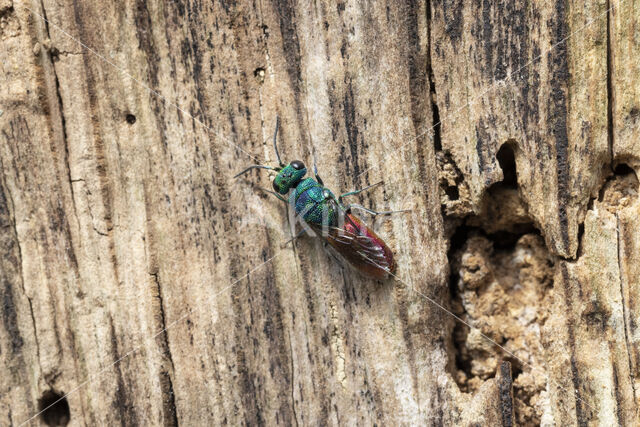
<point x="620" y="190"/>
<point x="54" y="408"/>
<point x="259" y="73"/>
<point x="507" y="161"/>
<point x="452" y="192"/>
<point x="500" y="272"/>
<point x="130" y="118"/>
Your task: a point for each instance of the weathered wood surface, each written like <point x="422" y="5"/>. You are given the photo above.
<point x="122" y="125"/>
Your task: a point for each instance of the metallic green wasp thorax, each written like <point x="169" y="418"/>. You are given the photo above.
<point x="315" y="203"/>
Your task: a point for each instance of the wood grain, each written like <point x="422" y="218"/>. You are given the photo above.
<point x="143" y="280"/>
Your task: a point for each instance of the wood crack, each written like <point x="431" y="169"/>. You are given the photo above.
<point x="63" y="123"/>
<point x="609" y="87"/>
<point x="168" y="404"/>
<point x="625" y="313"/>
<point x="35" y="336"/>
<point x="437" y="135"/>
<point x="293" y="400"/>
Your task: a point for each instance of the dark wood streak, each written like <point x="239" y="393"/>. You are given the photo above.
<point x="423" y="107"/>
<point x="482" y="139"/>
<point x="487" y="34"/>
<point x="144" y="32"/>
<point x="10" y="260"/>
<point x="558" y="60"/>
<point x="12" y="296"/>
<point x="616" y="387"/>
<point x="581" y="417"/>
<point x="506" y="394"/>
<point x="286" y="13"/>
<point x="9" y="317"/>
<point x="320" y="347"/>
<point x="102" y="167"/>
<point x="453" y="20"/>
<point x="247" y="381"/>
<point x="280" y="356"/>
<point x="262" y="299"/>
<point x="503" y="32"/>
<point x="352" y="130"/>
<point x="123" y="402"/>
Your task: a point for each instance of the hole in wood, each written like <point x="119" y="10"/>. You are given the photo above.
<point x="259" y="74"/>
<point x="620" y="190"/>
<point x="507" y="160"/>
<point x="55" y="409"/>
<point x="501" y="283"/>
<point x="624" y="169"/>
<point x="131" y="119"/>
<point x="452" y="192"/>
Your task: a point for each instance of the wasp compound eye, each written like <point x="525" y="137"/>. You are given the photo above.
<point x="297" y="164"/>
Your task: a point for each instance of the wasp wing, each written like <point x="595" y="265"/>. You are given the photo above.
<point x="361" y="247"/>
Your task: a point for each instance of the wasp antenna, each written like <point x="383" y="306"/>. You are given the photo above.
<point x="256" y="167"/>
<point x="275" y="138"/>
<point x="315" y="171"/>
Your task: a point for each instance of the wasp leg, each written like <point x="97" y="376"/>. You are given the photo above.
<point x="275" y="194"/>
<point x="300" y="233"/>
<point x="354" y="192"/>
<point x="315" y="171"/>
<point x="372" y="212"/>
<point x="275" y="139"/>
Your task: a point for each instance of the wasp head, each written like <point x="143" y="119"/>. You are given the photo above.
<point x="289" y="176"/>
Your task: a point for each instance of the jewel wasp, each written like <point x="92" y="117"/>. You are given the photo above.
<point x="327" y="215"/>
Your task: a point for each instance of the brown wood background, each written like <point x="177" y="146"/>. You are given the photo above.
<point x="139" y="277"/>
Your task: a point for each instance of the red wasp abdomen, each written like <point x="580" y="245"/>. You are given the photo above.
<point x="362" y="248"/>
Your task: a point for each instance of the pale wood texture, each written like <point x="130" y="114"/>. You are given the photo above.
<point x="139" y="277"/>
